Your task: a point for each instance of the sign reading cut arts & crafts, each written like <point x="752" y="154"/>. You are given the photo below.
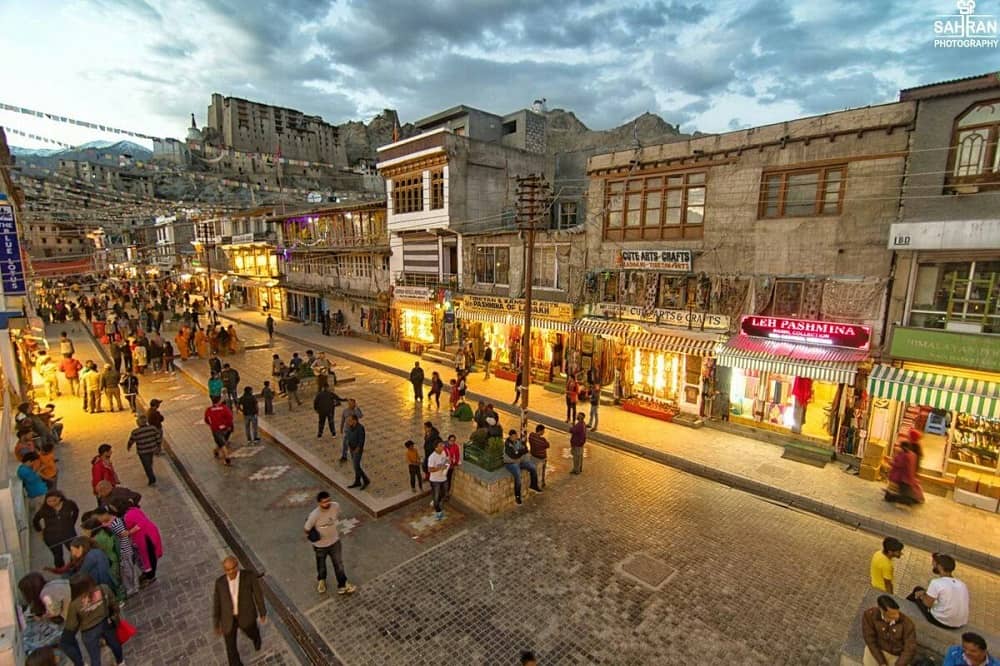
<point x="965" y="350"/>
<point x="803" y="331"/>
<point x="677" y="261"/>
<point x="684" y="318"/>
<point x="549" y="309"/>
<point x="404" y="292"/>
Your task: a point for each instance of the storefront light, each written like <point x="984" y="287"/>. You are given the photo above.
<point x="418" y="325"/>
<point x="637" y="368"/>
<point x="660" y="381"/>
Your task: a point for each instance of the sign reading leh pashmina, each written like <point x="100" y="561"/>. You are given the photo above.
<point x="11" y="265"/>
<point x="827" y="333"/>
<point x="657" y="260"/>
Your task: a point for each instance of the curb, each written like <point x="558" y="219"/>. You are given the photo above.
<point x="792" y="500"/>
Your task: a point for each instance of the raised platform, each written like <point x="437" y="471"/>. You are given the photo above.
<point x="487" y="492"/>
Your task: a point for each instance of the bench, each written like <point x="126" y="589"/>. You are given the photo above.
<point x="932" y="641"/>
<point x="817" y="456"/>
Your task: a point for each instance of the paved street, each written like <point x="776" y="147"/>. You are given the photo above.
<point x="632" y="563"/>
<point x="173" y="615"/>
<point x="719" y="453"/>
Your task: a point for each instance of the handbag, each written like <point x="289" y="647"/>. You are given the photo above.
<point x="124" y="631"/>
<point x="313" y="535"/>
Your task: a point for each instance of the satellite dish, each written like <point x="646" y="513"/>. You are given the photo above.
<point x="314" y="197"/>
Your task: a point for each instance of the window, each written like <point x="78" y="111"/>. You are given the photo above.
<point x="566" y="216"/>
<point x="408" y="194"/>
<point x="492" y="264"/>
<point x="459" y="131"/>
<point x="510" y="127"/>
<point x="655" y="207"/>
<point x="975" y="157"/>
<point x="437" y="189"/>
<point x="549" y="271"/>
<point x="802" y="193"/>
<point x="965" y="293"/>
<point x="788" y="298"/>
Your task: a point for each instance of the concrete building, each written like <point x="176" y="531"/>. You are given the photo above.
<point x="171" y="151"/>
<point x="174" y="234"/>
<point x="336" y="258"/>
<point x="775" y="234"/>
<point x="249" y="272"/>
<point x="249" y="126"/>
<point x="452" y="195"/>
<point x="941" y="371"/>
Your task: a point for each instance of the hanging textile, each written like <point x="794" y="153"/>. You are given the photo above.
<point x="763" y="291"/>
<point x="812" y="299"/>
<point x="854" y="300"/>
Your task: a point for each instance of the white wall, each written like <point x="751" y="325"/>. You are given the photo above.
<point x="420" y="220"/>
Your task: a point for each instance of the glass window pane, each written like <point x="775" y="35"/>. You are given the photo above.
<point x="615" y="203"/>
<point x="971" y="152"/>
<point x="672" y="216"/>
<point x="634" y="202"/>
<point x="985" y="113"/>
<point x="675" y="180"/>
<point x="772" y="196"/>
<point x="632" y="218"/>
<point x="696" y="178"/>
<point x="800" y="194"/>
<point x="634" y="185"/>
<point x="614" y="219"/>
<point x="652" y="217"/>
<point x="695" y="214"/>
<point x="653" y="199"/>
<point x="654" y="183"/>
<point x="674" y="198"/>
<point x="696" y="196"/>
<point x="617" y="186"/>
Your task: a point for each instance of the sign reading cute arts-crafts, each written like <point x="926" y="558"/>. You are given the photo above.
<point x="657" y="260"/>
<point x="549" y="309"/>
<point x="412" y="293"/>
<point x="827" y="333"/>
<point x="685" y="318"/>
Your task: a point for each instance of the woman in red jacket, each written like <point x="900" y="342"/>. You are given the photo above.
<point x="454" y="453"/>
<point x="101" y="469"/>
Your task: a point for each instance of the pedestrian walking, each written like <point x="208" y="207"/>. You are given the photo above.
<point x="352" y="409"/>
<point x="155" y="418"/>
<point x="92" y="385"/>
<point x="94" y="612"/>
<point x="437" y="469"/>
<point x="215" y="387"/>
<point x="238" y="604"/>
<point x="269" y="325"/>
<point x="147" y="440"/>
<point x="101" y="469"/>
<point x="572" y="397"/>
<point x="267" y="393"/>
<point x="292" y="389"/>
<point x="250" y="408"/>
<point x="220" y="419"/>
<point x="413" y="464"/>
<point x="518" y="386"/>
<point x="577" y="438"/>
<point x="594" y="397"/>
<point x="321" y="530"/>
<point x="417" y="381"/>
<point x="230" y="382"/>
<point x="66" y="347"/>
<point x="454" y="453"/>
<point x="56" y="520"/>
<point x="130" y="385"/>
<point x="355" y="436"/>
<point x="487" y="360"/>
<point x="70" y="368"/>
<point x="538" y="448"/>
<point x="325" y="406"/>
<point x="436" y="387"/>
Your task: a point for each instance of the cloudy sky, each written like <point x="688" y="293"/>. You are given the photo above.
<point x="710" y="65"/>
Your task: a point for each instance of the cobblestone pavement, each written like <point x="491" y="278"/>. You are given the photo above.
<point x="631" y="563"/>
<point x="745" y="458"/>
<point x="173" y="615"/>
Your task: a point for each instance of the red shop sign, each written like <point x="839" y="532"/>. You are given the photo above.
<point x="802" y="331"/>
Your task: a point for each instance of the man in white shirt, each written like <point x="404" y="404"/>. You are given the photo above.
<point x="945" y="602"/>
<point x="437" y="471"/>
<point x="321" y="530"/>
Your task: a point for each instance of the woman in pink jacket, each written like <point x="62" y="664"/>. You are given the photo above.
<point x="146" y="538"/>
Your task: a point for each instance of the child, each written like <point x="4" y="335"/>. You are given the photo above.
<point x="47" y="468"/>
<point x="268" y="394"/>
<point x="215" y="386"/>
<point x="413" y="462"/>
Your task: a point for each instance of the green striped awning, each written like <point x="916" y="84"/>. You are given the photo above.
<point x="971" y="396"/>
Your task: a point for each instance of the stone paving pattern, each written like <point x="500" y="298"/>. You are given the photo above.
<point x="755" y="582"/>
<point x="759" y="462"/>
<point x="173" y="615"/>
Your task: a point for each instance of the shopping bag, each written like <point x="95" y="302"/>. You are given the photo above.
<point x="124" y="631"/>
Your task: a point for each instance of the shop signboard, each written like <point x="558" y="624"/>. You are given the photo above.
<point x="945" y="235"/>
<point x="966" y="350"/>
<point x="674" y="261"/>
<point x="515" y="306"/>
<point x="412" y="293"/>
<point x="11" y="263"/>
<point x="663" y="316"/>
<point x="803" y="331"/>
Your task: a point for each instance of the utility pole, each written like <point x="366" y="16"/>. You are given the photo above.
<point x="209" y="243"/>
<point x="531" y="203"/>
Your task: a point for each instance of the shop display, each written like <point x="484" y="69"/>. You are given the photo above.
<point x="976" y="440"/>
<point x="417" y="325"/>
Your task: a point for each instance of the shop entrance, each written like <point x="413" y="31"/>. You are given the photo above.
<point x="785" y="402"/>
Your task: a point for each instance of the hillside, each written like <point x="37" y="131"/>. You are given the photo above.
<point x="567" y="133"/>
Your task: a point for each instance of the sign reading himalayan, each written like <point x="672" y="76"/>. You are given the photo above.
<point x="550" y="309"/>
<point x="966" y="350"/>
<point x="828" y="333"/>
<point x="684" y="318"/>
<point x="657" y="260"/>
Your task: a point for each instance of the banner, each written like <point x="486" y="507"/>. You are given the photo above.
<point x="548" y="309"/>
<point x="676" y="261"/>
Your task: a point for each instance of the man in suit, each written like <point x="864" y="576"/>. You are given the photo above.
<point x="238" y="602"/>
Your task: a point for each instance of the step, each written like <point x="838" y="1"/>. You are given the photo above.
<point x="806" y="453"/>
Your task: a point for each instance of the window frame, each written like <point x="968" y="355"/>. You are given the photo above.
<point x="437" y="188"/>
<point x="408" y="194"/>
<point x="627" y="199"/>
<point x="990" y="174"/>
<point x="801" y="283"/>
<point x="484" y="250"/>
<point x="565" y="219"/>
<point x="819" y="198"/>
<point x="557" y="272"/>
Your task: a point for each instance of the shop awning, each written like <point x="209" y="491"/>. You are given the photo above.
<point x="603" y="327"/>
<point x="513" y="319"/>
<point x="680" y="344"/>
<point x="482" y="315"/>
<point x="551" y="324"/>
<point x="302" y="292"/>
<point x="961" y="394"/>
<point x="827" y="364"/>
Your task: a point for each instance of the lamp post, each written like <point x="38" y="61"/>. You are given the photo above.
<point x="531" y="196"/>
<point x="207" y="241"/>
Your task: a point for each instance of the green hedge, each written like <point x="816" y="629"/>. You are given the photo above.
<point x="488" y="456"/>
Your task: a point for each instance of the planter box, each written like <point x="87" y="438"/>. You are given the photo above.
<point x="653" y="412"/>
<point x="487" y="492"/>
<point x="488" y="458"/>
